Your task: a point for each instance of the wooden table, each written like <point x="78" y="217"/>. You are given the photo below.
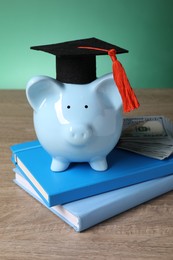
<point x="29" y="231"/>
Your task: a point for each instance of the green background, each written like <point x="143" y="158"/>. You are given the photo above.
<point x="144" y="27"/>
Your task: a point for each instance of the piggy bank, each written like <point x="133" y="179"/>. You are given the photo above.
<point x="76" y="123"/>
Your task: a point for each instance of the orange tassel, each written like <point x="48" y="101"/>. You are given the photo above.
<point x="128" y="96"/>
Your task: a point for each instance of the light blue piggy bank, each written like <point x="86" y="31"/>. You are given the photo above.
<point x="76" y="123"/>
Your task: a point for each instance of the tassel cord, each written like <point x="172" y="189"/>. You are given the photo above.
<point x="128" y="96"/>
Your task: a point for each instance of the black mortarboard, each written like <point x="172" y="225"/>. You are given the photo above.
<point x="76" y="64"/>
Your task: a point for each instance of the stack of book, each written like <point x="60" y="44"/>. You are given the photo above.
<point x="83" y="197"/>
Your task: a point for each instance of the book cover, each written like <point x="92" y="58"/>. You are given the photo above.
<point x="85" y="213"/>
<point x="80" y="181"/>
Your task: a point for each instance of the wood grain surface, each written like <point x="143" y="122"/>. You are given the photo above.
<point x="30" y="231"/>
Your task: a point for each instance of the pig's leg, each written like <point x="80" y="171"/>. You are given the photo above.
<point x="59" y="165"/>
<point x="99" y="164"/>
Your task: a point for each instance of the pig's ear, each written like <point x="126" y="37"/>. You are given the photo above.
<point x="40" y="88"/>
<point x="105" y="86"/>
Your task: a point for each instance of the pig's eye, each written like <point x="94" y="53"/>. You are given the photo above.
<point x="68" y="107"/>
<point x="86" y="106"/>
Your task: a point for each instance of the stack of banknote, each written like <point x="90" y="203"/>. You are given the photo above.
<point x="151" y="136"/>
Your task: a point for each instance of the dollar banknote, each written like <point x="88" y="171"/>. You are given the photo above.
<point x="151" y="136"/>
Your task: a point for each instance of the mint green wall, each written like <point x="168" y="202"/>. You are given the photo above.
<point x="144" y="27"/>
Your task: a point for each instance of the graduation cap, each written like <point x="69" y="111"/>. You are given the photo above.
<point x="76" y="64"/>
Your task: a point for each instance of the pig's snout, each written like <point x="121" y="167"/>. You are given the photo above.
<point x="79" y="134"/>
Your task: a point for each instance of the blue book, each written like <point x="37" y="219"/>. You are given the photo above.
<point x="80" y="180"/>
<point x="85" y="213"/>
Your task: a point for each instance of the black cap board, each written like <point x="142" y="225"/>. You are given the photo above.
<point x="75" y="64"/>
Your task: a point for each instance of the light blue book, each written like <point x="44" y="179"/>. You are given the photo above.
<point x="80" y="181"/>
<point x="85" y="213"/>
